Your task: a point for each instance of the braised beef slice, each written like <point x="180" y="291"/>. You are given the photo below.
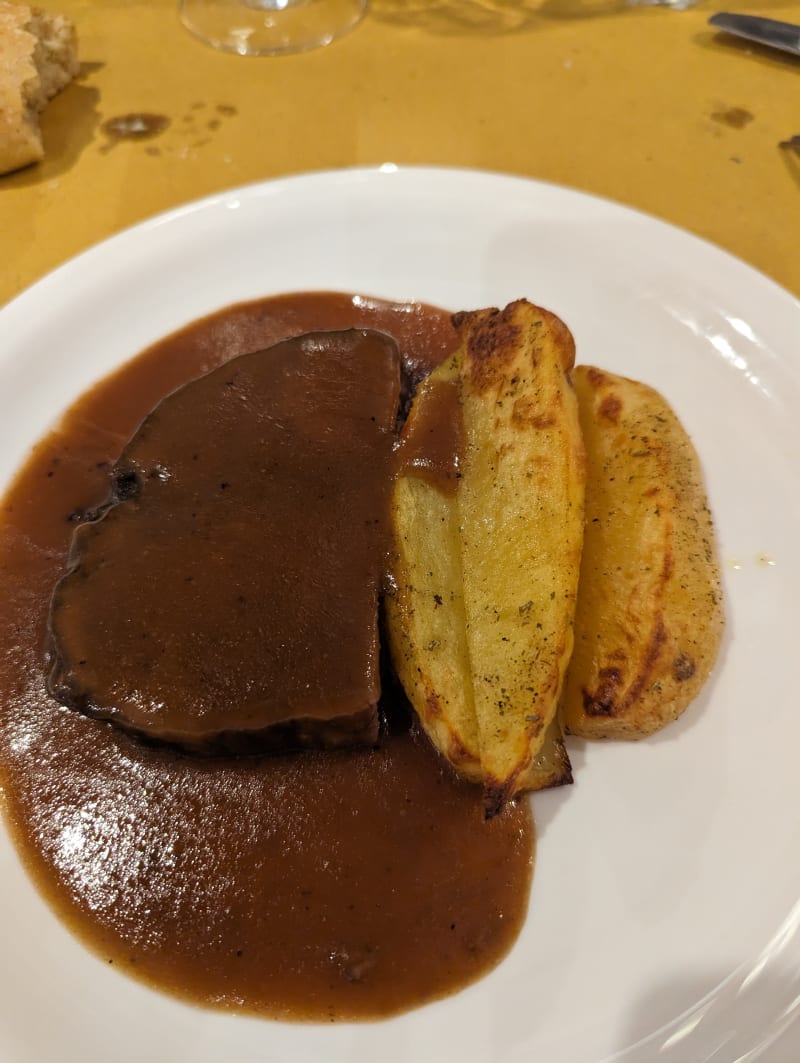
<point x="226" y="598"/>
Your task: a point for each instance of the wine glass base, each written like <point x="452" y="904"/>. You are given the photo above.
<point x="270" y="27"/>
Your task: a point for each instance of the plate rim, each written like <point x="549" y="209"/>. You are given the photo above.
<point x="253" y="189"/>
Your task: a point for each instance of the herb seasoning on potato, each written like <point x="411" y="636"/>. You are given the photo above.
<point x="487" y="575"/>
<point x="649" y="618"/>
<point x="487" y="563"/>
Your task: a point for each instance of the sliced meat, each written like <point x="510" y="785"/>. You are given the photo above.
<point x="226" y="597"/>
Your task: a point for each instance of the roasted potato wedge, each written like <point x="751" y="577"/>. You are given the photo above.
<point x="521" y="500"/>
<point x="649" y="617"/>
<point x="425" y="613"/>
<point x="486" y="567"/>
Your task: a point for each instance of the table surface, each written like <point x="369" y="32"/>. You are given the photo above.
<point x="646" y="106"/>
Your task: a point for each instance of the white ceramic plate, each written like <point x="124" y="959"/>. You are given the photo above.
<point x="666" y="900"/>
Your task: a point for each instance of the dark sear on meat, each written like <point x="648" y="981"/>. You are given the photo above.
<point x="225" y="598"/>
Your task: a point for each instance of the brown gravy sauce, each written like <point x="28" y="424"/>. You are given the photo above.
<point x="228" y="596"/>
<point x="313" y="886"/>
<point x="432" y="439"/>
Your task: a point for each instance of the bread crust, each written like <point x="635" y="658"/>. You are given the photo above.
<point x="38" y="57"/>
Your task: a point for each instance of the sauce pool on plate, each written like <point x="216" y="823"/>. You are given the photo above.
<point x="324" y="886"/>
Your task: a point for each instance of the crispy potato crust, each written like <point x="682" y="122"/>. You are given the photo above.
<point x="649" y="618"/>
<point x="480" y="626"/>
<point x="521" y="506"/>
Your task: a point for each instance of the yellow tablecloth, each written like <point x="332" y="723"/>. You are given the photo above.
<point x="647" y="106"/>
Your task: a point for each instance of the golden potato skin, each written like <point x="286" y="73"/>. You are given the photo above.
<point x="441" y="657"/>
<point x="649" y="617"/>
<point x="521" y="520"/>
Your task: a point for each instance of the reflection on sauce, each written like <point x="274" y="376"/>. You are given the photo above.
<point x="313" y="886"/>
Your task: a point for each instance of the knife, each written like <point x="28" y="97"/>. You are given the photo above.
<point x="767" y="31"/>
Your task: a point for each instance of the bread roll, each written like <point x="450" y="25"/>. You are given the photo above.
<point x="38" y="57"/>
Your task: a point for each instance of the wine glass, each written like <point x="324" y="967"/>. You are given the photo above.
<point x="270" y="27"/>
